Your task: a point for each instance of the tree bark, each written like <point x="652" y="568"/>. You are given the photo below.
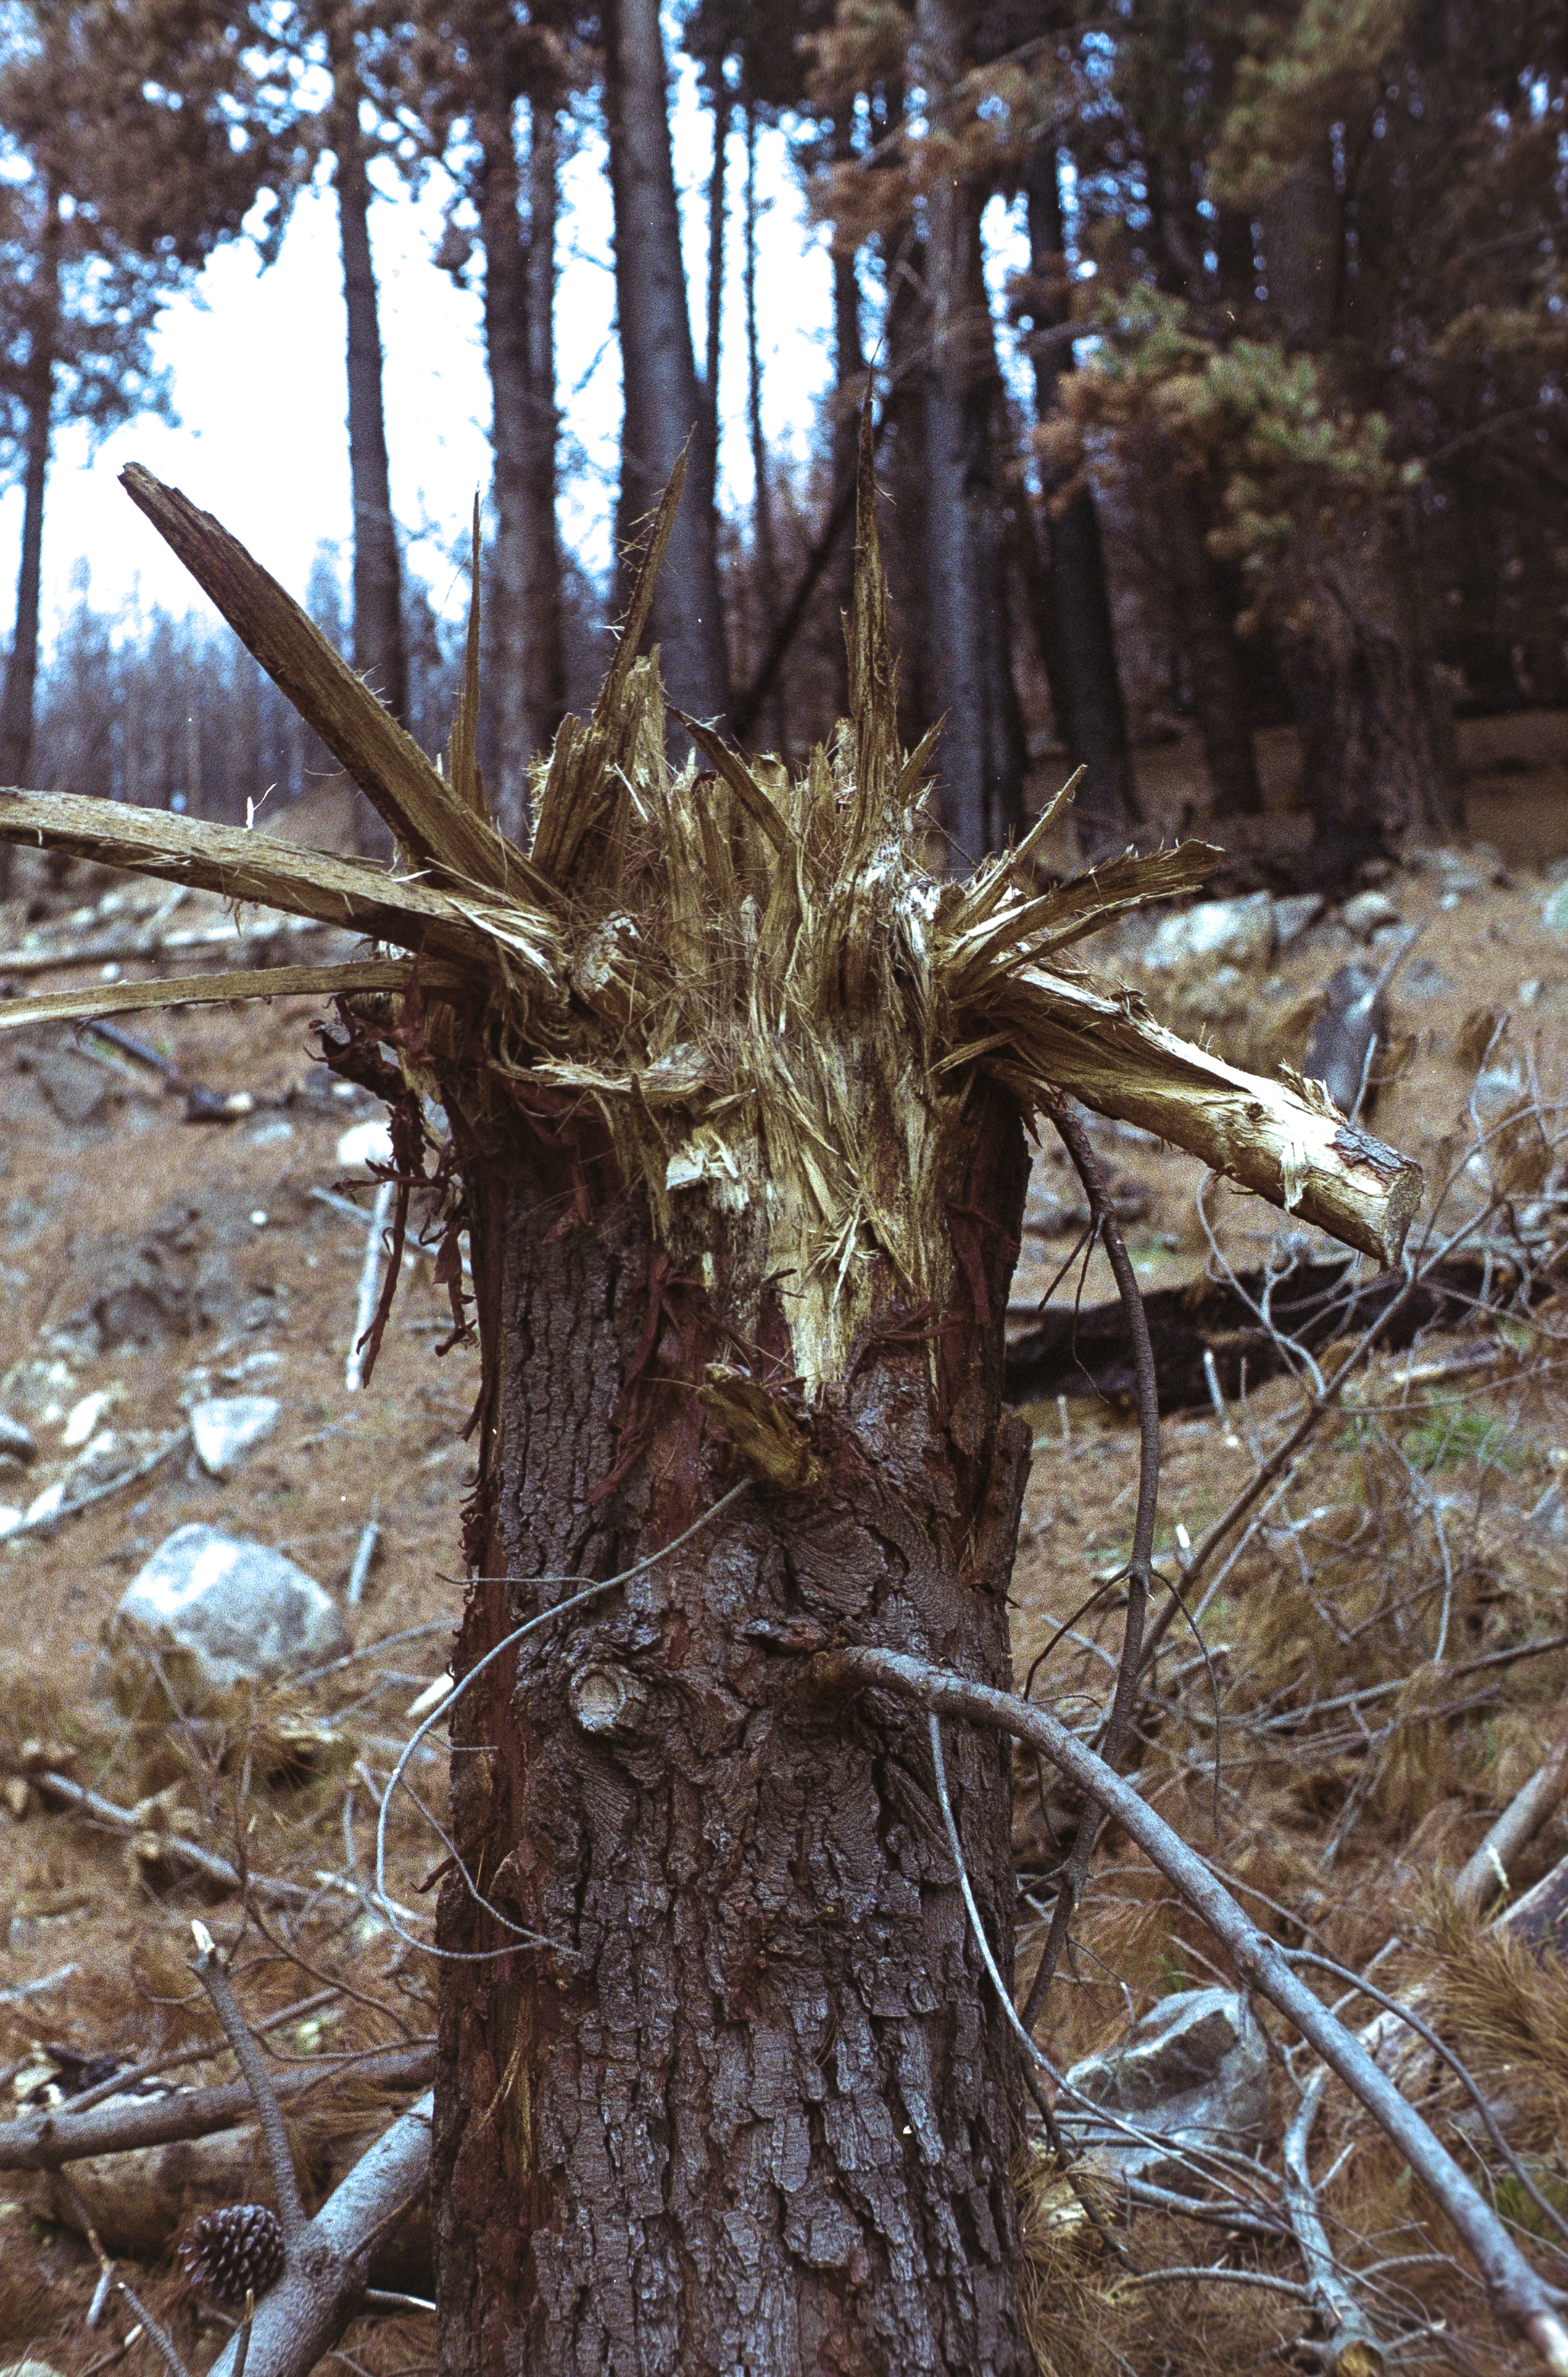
<point x="1079" y="637"/>
<point x="905" y="326"/>
<point x="849" y="392"/>
<point x="982" y="757"/>
<point x="757" y="2111"/>
<point x="662" y="401"/>
<point x="525" y="672"/>
<point x="380" y="654"/>
<point x="704" y="478"/>
<point x="1376" y="757"/>
<point x="1208" y="639"/>
<point x="16" y="705"/>
<point x="765" y="550"/>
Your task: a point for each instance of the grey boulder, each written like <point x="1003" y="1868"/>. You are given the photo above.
<point x="1193" y="2072"/>
<point x="217" y="1611"/>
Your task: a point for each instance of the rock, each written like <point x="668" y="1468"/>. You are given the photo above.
<point x="16" y="1442"/>
<point x="1239" y="932"/>
<point x="78" y="1090"/>
<point x="81" y="1420"/>
<point x="1220" y="994"/>
<point x="1293" y="916"/>
<point x="175" y="1277"/>
<point x="221" y="1611"/>
<point x="1352" y="1020"/>
<point x="29" y="2369"/>
<point x="1422" y="979"/>
<point x="1193" y="2072"/>
<point x="1366" y="912"/>
<point x="1460" y="871"/>
<point x="225" y="1428"/>
<point x="366" y="1144"/>
<point x="1554" y="916"/>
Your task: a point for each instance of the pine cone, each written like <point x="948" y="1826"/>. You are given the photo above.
<point x="236" y="2250"/>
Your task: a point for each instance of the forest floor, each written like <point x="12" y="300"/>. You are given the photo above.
<point x="1411" y="1529"/>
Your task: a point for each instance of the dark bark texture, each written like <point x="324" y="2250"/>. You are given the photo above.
<point x="1377" y="762"/>
<point x="1207" y="637"/>
<point x="21" y="674"/>
<point x="1078" y="636"/>
<point x="663" y="402"/>
<point x="525" y="672"/>
<point x="909" y="559"/>
<point x="982" y="758"/>
<point x="756" y="2111"/>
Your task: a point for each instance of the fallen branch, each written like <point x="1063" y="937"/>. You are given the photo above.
<point x="1485" y="1874"/>
<point x="1519" y="2295"/>
<point x="211" y="1866"/>
<point x="47" y="2139"/>
<point x="1348" y="2349"/>
<point x="323" y="2286"/>
<point x="48" y="1520"/>
<point x="218" y="989"/>
<point x="1090" y="1350"/>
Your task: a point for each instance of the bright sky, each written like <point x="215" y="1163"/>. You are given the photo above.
<point x="257" y="364"/>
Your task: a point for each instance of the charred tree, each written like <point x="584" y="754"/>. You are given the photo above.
<point x="663" y="404"/>
<point x="16" y="704"/>
<point x="1079" y="637"/>
<point x="971" y="640"/>
<point x="1206" y="634"/>
<point x="525" y="682"/>
<point x="1376" y="747"/>
<point x="765" y="547"/>
<point x="1377" y="756"/>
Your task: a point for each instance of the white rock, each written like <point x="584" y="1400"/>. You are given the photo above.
<point x="84" y="1418"/>
<point x="233" y="1611"/>
<point x="48" y="1505"/>
<point x="1193" y="2072"/>
<point x="1366" y="912"/>
<point x="1239" y="931"/>
<point x="225" y="1428"/>
<point x="10" y="1520"/>
<point x="366" y="1144"/>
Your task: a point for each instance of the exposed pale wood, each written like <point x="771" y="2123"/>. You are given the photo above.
<point x="240" y="865"/>
<point x="404" y="785"/>
<point x="1266" y="1135"/>
<point x="215" y="989"/>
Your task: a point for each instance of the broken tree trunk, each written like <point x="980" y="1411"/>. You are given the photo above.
<point x="736" y="1091"/>
<point x="760" y="2106"/>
